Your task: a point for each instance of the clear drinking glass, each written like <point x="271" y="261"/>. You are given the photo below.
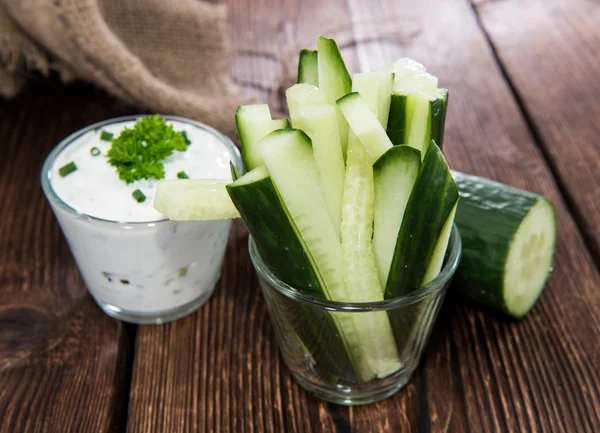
<point x="313" y="349"/>
<point x="143" y="272"/>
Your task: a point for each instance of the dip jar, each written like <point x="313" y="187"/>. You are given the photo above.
<point x="145" y="272"/>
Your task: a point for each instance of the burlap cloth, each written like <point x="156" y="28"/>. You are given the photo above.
<point x="165" y="56"/>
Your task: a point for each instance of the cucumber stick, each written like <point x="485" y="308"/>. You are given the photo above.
<point x="284" y="253"/>
<point x="194" y="200"/>
<point x="422" y="239"/>
<point x="253" y="123"/>
<point x="508" y="238"/>
<point x="417" y="118"/>
<point x="308" y="70"/>
<point x="300" y="95"/>
<point x="289" y="158"/>
<point x="394" y="174"/>
<point x="364" y="124"/>
<point x="360" y="269"/>
<point x="334" y="80"/>
<point x="320" y="124"/>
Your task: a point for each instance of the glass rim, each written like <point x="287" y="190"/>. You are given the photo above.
<point x="52" y="196"/>
<point x="452" y="259"/>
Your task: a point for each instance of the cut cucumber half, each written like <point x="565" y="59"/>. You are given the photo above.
<point x="194" y="200"/>
<point x="430" y="206"/>
<point x="364" y="124"/>
<point x="334" y="80"/>
<point x="509" y="239"/>
<point x="300" y="95"/>
<point x="395" y="174"/>
<point x="320" y="124"/>
<point x="253" y="123"/>
<point x="308" y="69"/>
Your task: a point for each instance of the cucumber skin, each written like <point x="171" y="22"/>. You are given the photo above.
<point x="488" y="216"/>
<point x="308" y="67"/>
<point x="432" y="199"/>
<point x="281" y="251"/>
<point x="437" y="118"/>
<point x="396" y="127"/>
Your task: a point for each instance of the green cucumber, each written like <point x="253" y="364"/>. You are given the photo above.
<point x="509" y="238"/>
<point x="320" y="124"/>
<point x="375" y="88"/>
<point x="235" y="173"/>
<point x="364" y="124"/>
<point x="334" y="80"/>
<point x="308" y="69"/>
<point x="417" y="118"/>
<point x="395" y="173"/>
<point x="431" y="208"/>
<point x="300" y="95"/>
<point x="283" y="252"/>
<point x="194" y="200"/>
<point x="253" y="123"/>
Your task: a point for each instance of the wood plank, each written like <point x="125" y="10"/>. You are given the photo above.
<point x="550" y="50"/>
<point x="219" y="369"/>
<point x="64" y="365"/>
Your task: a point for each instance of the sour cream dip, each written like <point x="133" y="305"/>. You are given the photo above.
<point x="138" y="266"/>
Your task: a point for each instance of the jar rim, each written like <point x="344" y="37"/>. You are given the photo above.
<point x="52" y="196"/>
<point x="452" y="259"/>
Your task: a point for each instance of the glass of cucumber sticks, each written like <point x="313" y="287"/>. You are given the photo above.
<point x="339" y="368"/>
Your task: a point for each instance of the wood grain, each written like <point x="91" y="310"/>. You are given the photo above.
<point x="550" y="51"/>
<point x="219" y="370"/>
<point x="64" y="365"/>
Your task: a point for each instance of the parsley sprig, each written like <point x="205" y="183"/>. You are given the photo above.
<point x="139" y="153"/>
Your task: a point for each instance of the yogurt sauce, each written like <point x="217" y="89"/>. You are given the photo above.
<point x="139" y="266"/>
<point x="95" y="188"/>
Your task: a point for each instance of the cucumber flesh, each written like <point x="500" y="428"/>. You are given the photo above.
<point x="308" y="69"/>
<point x="253" y="123"/>
<point x="300" y="95"/>
<point x="395" y="173"/>
<point x="334" y="80"/>
<point x="194" y="200"/>
<point x="280" y="124"/>
<point x="509" y="239"/>
<point x="364" y="124"/>
<point x="320" y="124"/>
<point x="431" y="203"/>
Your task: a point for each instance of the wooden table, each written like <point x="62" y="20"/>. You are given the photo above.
<point x="524" y="80"/>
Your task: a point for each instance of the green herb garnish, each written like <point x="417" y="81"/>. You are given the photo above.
<point x="138" y="153"/>
<point x="138" y="196"/>
<point x="67" y="169"/>
<point x="106" y="136"/>
<point x="95" y="151"/>
<point x="182" y="175"/>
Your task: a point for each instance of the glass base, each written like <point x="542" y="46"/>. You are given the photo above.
<point x="156" y="317"/>
<point x="349" y="397"/>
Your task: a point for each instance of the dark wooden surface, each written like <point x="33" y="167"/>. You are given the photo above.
<point x="66" y="367"/>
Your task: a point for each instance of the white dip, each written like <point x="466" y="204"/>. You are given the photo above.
<point x="135" y="262"/>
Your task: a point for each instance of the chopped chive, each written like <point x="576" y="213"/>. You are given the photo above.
<point x="67" y="169"/>
<point x="185" y="138"/>
<point x="182" y="175"/>
<point x="138" y="196"/>
<point x="95" y="151"/>
<point x="106" y="136"/>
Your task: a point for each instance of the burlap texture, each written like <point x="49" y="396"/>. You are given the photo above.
<point x="169" y="57"/>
